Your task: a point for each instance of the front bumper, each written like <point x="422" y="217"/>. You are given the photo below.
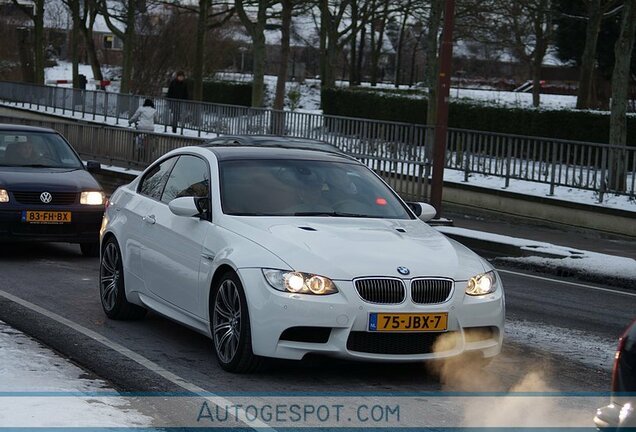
<point x="83" y="228"/>
<point x="474" y="324"/>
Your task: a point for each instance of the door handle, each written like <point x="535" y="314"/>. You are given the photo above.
<point x="208" y="256"/>
<point x="149" y="219"/>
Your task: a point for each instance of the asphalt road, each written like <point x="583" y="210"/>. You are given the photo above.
<point x="563" y="330"/>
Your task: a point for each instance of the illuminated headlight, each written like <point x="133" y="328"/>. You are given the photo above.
<point x="297" y="282"/>
<point x="92" y="198"/>
<point x="4" y="196"/>
<point x="482" y="284"/>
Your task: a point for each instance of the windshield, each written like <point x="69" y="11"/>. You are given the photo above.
<point x="36" y="149"/>
<point x="305" y="188"/>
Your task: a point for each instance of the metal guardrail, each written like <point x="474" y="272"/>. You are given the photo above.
<point x="125" y="148"/>
<point x="400" y="151"/>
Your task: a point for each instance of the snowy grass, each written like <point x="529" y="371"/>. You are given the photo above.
<point x="310" y="90"/>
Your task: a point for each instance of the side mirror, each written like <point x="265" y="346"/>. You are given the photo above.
<point x="93" y="166"/>
<point x="184" y="206"/>
<point x="423" y="211"/>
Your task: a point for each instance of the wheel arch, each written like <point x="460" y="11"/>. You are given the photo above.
<point x="216" y="277"/>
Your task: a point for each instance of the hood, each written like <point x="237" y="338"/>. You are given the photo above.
<point x="345" y="248"/>
<point x="51" y="179"/>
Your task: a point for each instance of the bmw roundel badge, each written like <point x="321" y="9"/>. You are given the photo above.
<point x="403" y="270"/>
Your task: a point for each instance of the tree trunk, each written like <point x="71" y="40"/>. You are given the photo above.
<point x="400" y="45"/>
<point x="91" y="50"/>
<point x="353" y="79"/>
<point x="197" y="72"/>
<point x="258" y="86"/>
<point x="620" y="88"/>
<point x="361" y="48"/>
<point x="377" y="49"/>
<point x="281" y="80"/>
<point x="75" y="38"/>
<point x="542" y="36"/>
<point x="432" y="59"/>
<point x="588" y="59"/>
<point x="129" y="41"/>
<point x="38" y="42"/>
<point x="325" y="17"/>
<point x="373" y="49"/>
<point x="536" y="81"/>
<point x="416" y="47"/>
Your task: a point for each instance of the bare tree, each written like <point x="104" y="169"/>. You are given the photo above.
<point x="406" y="12"/>
<point x="286" y="22"/>
<point x="380" y="12"/>
<point x="432" y="58"/>
<point x="256" y="30"/>
<point x="37" y="16"/>
<point x="125" y="13"/>
<point x="526" y="27"/>
<point x="210" y="14"/>
<point x="596" y="12"/>
<point x="620" y="88"/>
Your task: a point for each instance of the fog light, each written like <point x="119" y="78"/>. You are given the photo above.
<point x="4" y="196"/>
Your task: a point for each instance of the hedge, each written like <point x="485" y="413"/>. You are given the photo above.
<point x="226" y="92"/>
<point x="561" y="124"/>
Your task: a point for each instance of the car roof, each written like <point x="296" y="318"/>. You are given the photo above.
<point x="238" y="152"/>
<point x="8" y="127"/>
<point x="273" y="141"/>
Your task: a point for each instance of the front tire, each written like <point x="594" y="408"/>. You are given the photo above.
<point x="230" y="327"/>
<point x="112" y="291"/>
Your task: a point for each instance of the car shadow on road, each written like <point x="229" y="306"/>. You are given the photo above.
<point x="27" y="251"/>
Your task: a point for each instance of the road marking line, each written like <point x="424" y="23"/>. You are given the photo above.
<point x="629" y="294"/>
<point x="138" y="358"/>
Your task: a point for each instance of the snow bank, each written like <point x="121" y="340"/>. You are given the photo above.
<point x="563" y="258"/>
<point x="27" y="366"/>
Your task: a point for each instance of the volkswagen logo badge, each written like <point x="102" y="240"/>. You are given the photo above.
<point x="403" y="270"/>
<point x="46" y="197"/>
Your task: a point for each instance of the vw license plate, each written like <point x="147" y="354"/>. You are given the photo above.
<point x="408" y="322"/>
<point x="46" y="217"/>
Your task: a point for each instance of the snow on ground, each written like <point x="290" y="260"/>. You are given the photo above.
<point x="561" y="193"/>
<point x="310" y="91"/>
<point x="594" y="351"/>
<point x="64" y="71"/>
<point x="27" y="366"/>
<point x="579" y="261"/>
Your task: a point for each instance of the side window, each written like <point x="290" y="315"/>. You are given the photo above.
<point x="190" y="177"/>
<point x="153" y="183"/>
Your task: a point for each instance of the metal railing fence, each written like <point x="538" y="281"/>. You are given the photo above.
<point x="401" y="152"/>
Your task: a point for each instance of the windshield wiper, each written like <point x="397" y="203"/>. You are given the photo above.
<point x="332" y="214"/>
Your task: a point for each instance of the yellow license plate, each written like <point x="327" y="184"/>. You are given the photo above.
<point x="417" y="322"/>
<point x="46" y="217"/>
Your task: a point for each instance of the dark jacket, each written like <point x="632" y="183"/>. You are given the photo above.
<point x="177" y="90"/>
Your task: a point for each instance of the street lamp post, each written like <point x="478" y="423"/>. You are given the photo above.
<point x="443" y="94"/>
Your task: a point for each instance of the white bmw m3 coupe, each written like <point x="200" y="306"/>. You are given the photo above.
<point x="280" y="248"/>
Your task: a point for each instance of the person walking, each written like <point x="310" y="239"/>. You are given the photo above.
<point x="177" y="92"/>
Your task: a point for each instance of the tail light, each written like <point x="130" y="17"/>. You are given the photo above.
<point x="107" y="204"/>
<point x="617" y="357"/>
